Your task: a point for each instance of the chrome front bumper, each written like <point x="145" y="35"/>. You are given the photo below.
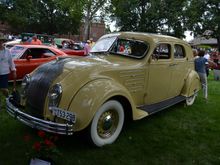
<point x="48" y="126"/>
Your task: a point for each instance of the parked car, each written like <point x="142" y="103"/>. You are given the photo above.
<point x="63" y="42"/>
<point x="29" y="57"/>
<point x="10" y="44"/>
<point x="98" y="92"/>
<point x="74" y="49"/>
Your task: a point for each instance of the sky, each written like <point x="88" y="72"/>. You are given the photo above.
<point x="188" y="36"/>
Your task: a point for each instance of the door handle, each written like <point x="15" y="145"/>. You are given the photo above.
<point x="172" y="64"/>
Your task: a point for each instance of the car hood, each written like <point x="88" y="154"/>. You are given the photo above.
<point x="80" y="70"/>
<point x="98" y="66"/>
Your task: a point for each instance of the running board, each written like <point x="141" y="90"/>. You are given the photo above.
<point x="153" y="108"/>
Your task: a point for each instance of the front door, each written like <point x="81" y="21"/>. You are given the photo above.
<point x="159" y="80"/>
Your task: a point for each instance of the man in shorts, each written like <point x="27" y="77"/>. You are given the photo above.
<point x="6" y="67"/>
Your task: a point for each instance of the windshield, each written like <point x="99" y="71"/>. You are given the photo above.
<point x="121" y="47"/>
<point x="16" y="51"/>
<point x="103" y="45"/>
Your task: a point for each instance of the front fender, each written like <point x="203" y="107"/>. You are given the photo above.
<point x="192" y="84"/>
<point x="91" y="96"/>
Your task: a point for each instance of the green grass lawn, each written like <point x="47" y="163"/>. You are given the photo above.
<point x="177" y="135"/>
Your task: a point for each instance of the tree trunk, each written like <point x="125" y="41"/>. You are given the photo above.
<point x="86" y="30"/>
<point x="87" y="24"/>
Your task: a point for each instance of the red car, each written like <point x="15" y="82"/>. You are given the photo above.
<point x="74" y="49"/>
<point x="29" y="57"/>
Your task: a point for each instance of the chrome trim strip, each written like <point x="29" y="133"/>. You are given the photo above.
<point x="48" y="126"/>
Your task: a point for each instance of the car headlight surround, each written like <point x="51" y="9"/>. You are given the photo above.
<point x="54" y="95"/>
<point x="24" y="85"/>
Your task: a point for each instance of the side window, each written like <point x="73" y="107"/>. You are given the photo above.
<point x="47" y="53"/>
<point x="26" y="54"/>
<point x="35" y="53"/>
<point x="130" y="48"/>
<point x="179" y="51"/>
<point x="38" y="53"/>
<point x="162" y="51"/>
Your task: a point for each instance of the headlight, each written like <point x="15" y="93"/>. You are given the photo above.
<point x="24" y="85"/>
<point x="55" y="95"/>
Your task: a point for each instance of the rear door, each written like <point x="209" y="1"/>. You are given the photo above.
<point x="179" y="70"/>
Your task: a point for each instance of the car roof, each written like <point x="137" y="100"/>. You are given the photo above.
<point x="33" y="46"/>
<point x="146" y="37"/>
<point x="40" y="46"/>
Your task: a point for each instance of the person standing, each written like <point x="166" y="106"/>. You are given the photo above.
<point x="53" y="44"/>
<point x="87" y="47"/>
<point x="6" y="67"/>
<point x="195" y="53"/>
<point x="35" y="41"/>
<point x="92" y="43"/>
<point x="200" y="67"/>
<point x="207" y="56"/>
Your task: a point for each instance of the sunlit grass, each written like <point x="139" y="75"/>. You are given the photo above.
<point x="177" y="135"/>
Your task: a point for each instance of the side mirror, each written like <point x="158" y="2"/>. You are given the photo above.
<point x="29" y="57"/>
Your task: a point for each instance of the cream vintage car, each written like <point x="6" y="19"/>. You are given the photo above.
<point x="127" y="75"/>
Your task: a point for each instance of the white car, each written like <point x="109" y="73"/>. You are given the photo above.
<point x="10" y="44"/>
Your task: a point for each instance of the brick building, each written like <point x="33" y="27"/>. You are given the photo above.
<point x="96" y="31"/>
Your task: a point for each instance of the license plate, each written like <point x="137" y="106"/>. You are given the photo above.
<point x="69" y="116"/>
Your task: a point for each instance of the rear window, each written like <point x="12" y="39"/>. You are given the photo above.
<point x="16" y="51"/>
<point x="179" y="51"/>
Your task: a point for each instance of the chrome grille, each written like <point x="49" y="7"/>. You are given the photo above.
<point x="40" y="84"/>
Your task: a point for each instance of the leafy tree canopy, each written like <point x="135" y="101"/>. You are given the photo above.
<point x="157" y="16"/>
<point x="172" y="17"/>
<point x="43" y="16"/>
<point x="204" y="16"/>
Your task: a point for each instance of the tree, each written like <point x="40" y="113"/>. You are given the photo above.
<point x="156" y="16"/>
<point x="204" y="15"/>
<point x="44" y="16"/>
<point x="14" y="14"/>
<point x="91" y="7"/>
<point x="3" y="10"/>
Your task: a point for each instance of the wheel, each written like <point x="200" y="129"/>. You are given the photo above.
<point x="190" y="100"/>
<point x="107" y="123"/>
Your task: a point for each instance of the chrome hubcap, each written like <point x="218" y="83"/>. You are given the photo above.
<point x="107" y="123"/>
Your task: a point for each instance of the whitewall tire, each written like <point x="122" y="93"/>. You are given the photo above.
<point x="107" y="123"/>
<point x="191" y="99"/>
